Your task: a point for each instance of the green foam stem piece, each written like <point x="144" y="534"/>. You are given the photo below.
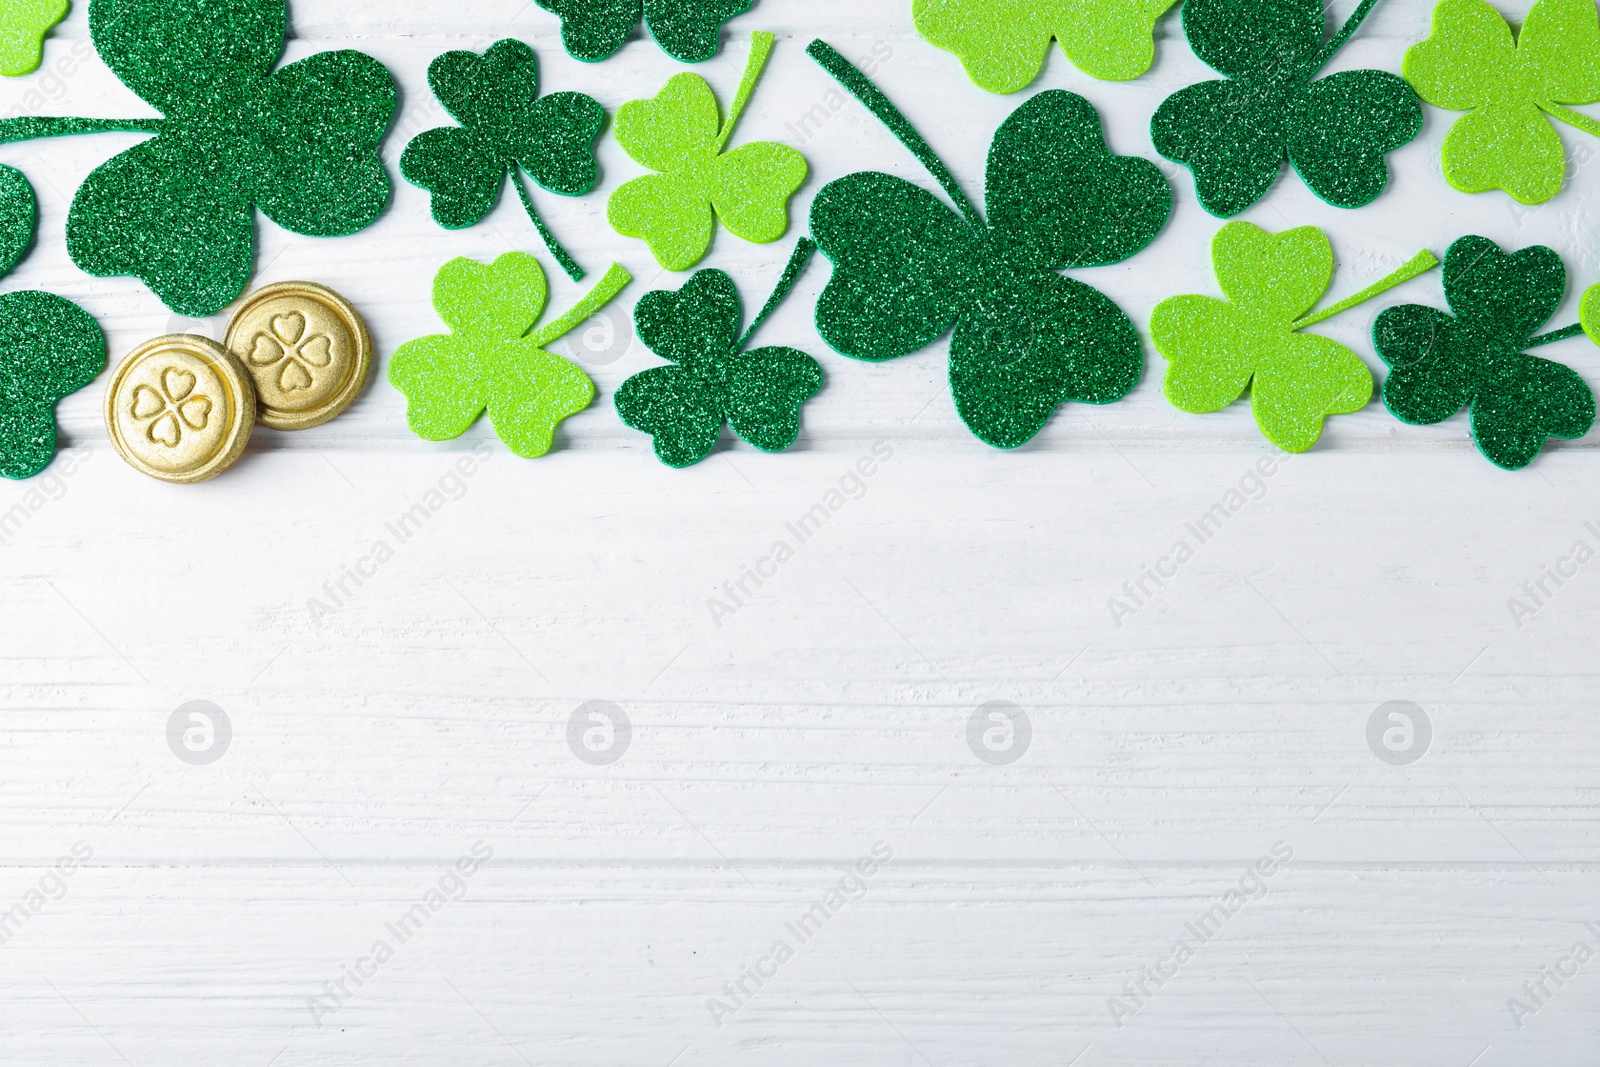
<point x="1476" y="355"/>
<point x="611" y="283"/>
<point x="687" y="30"/>
<point x="1236" y="133"/>
<point x="300" y="143"/>
<point x="1003" y="43"/>
<point x="712" y="379"/>
<point x="506" y="128"/>
<point x="1217" y="349"/>
<point x="796" y="266"/>
<point x="1419" y="264"/>
<point x="23" y="25"/>
<point x="907" y="268"/>
<point x="1508" y="84"/>
<point x="680" y="135"/>
<point x="1563" y="334"/>
<point x="493" y="359"/>
<point x="862" y="88"/>
<point x="761" y="43"/>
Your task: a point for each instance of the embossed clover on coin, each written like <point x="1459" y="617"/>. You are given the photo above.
<point x="290" y="342"/>
<point x="165" y="412"/>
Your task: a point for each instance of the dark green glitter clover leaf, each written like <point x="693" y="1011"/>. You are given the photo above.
<point x="907" y="268"/>
<point x="49" y="347"/>
<point x="687" y="30"/>
<point x="714" y="379"/>
<point x="506" y="128"/>
<point x="1234" y="134"/>
<point x="1216" y="349"/>
<point x="1478" y="357"/>
<point x="23" y="24"/>
<point x="177" y="211"/>
<point x="678" y="134"/>
<point x="493" y="358"/>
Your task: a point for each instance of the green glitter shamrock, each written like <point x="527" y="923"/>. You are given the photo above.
<point x="176" y="211"/>
<point x="687" y="30"/>
<point x="1003" y="43"/>
<point x="23" y="24"/>
<point x="1234" y="134"/>
<point x="1217" y="349"/>
<point x="1442" y="363"/>
<point x="907" y="268"/>
<point x="505" y="129"/>
<point x="677" y="134"/>
<point x="1508" y="84"/>
<point x="713" y="378"/>
<point x="49" y="347"/>
<point x="493" y="358"/>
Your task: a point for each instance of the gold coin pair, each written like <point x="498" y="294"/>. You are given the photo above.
<point x="180" y="408"/>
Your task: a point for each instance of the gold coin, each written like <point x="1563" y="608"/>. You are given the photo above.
<point x="307" y="350"/>
<point x="180" y="408"/>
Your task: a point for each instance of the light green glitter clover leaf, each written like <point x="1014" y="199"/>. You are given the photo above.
<point x="493" y="359"/>
<point x="1508" y="85"/>
<point x="1003" y="43"/>
<point x="678" y="135"/>
<point x="23" y="24"/>
<point x="1217" y="349"/>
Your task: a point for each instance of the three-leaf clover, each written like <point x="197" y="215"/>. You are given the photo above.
<point x="1442" y="363"/>
<point x="1217" y="349"/>
<point x="677" y="133"/>
<point x="1003" y="43"/>
<point x="687" y="30"/>
<point x="493" y="358"/>
<point x="177" y="211"/>
<point x="505" y="129"/>
<point x="1508" y="85"/>
<point x="23" y="24"/>
<point x="1235" y="133"/>
<point x="714" y="378"/>
<point x="907" y="268"/>
<point x="49" y="347"/>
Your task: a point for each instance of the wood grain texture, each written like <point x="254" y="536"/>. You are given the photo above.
<point x="773" y="745"/>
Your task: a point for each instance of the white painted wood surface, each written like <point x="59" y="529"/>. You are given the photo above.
<point x="373" y="748"/>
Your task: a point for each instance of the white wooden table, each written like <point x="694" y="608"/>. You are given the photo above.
<point x="215" y="910"/>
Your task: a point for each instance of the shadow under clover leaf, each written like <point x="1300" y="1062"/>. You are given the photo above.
<point x="907" y="268"/>
<point x="687" y="30"/>
<point x="493" y="359"/>
<point x="1508" y="84"/>
<point x="506" y="128"/>
<point x="178" y="211"/>
<point x="1442" y="363"/>
<point x="1235" y="133"/>
<point x="714" y="378"/>
<point x="49" y="347"/>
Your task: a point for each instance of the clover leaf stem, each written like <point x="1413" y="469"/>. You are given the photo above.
<point x="761" y="43"/>
<point x="1345" y="32"/>
<point x="861" y="87"/>
<point x="30" y="127"/>
<point x="791" y="274"/>
<point x="1576" y="119"/>
<point x="1419" y="264"/>
<point x="568" y="264"/>
<point x="609" y="286"/>
<point x="1554" y="335"/>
